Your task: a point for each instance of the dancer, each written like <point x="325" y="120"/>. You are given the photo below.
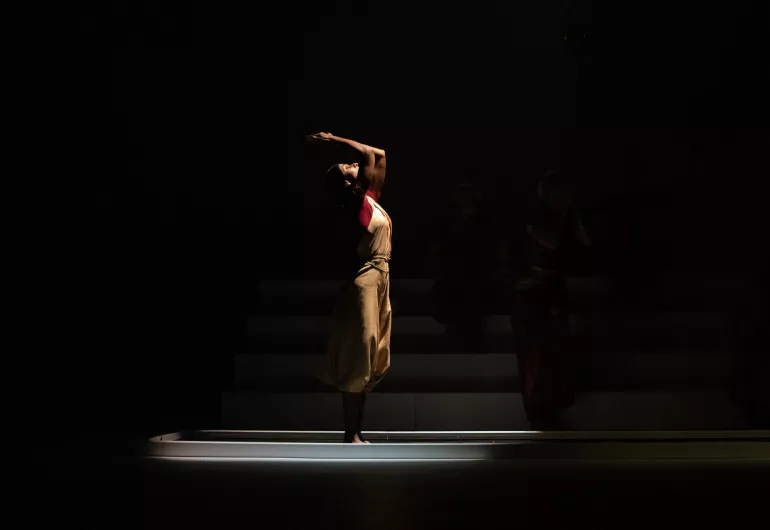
<point x="540" y="319"/>
<point x="358" y="350"/>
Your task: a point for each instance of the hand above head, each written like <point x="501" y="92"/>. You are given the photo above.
<point x="319" y="137"/>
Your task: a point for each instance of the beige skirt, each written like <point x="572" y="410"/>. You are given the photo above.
<point x="358" y="351"/>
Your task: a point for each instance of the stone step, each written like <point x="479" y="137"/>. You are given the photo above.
<point x="590" y="332"/>
<point x="415" y="296"/>
<point x="431" y="344"/>
<point x="580" y="323"/>
<point x="481" y="411"/>
<point x="691" y="283"/>
<point x="470" y="372"/>
<point x="408" y="296"/>
<point x="448" y="343"/>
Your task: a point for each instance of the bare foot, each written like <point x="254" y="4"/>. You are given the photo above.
<point x="356" y="440"/>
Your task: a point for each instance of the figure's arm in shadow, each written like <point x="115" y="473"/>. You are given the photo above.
<point x="373" y="159"/>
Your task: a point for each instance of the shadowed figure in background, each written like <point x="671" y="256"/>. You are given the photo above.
<point x="358" y="350"/>
<point x="540" y="313"/>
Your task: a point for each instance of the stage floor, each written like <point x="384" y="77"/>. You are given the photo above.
<point x="475" y="445"/>
<point x="406" y="480"/>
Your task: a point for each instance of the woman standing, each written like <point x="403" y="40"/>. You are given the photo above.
<point x="540" y="319"/>
<point x="358" y="350"/>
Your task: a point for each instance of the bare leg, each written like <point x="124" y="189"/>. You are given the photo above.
<point x="352" y="409"/>
<point x="361" y="417"/>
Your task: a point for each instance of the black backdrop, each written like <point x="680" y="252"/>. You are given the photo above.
<point x="179" y="197"/>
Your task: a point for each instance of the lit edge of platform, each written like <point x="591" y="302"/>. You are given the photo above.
<point x="464" y="445"/>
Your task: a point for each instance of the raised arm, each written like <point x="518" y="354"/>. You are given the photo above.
<point x="373" y="158"/>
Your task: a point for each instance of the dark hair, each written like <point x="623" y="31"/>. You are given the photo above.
<point x="340" y="194"/>
<point x="333" y="179"/>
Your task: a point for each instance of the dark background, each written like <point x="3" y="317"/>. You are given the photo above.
<point x="655" y="112"/>
<point x="179" y="198"/>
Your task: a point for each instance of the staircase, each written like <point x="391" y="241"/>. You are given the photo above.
<point x="658" y="359"/>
